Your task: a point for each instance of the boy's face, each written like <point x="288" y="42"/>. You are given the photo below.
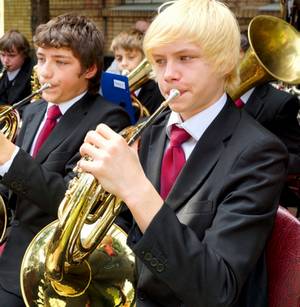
<point x="60" y="68"/>
<point x="180" y="65"/>
<point x="12" y="60"/>
<point x="127" y="60"/>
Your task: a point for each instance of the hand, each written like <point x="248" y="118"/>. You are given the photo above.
<point x="117" y="168"/>
<point x="7" y="149"/>
<point x="113" y="163"/>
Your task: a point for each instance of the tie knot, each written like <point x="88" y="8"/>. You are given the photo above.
<point x="239" y="103"/>
<point x="53" y="112"/>
<point x="178" y="136"/>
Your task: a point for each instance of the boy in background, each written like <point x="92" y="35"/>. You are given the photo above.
<point x="15" y="79"/>
<point x="127" y="48"/>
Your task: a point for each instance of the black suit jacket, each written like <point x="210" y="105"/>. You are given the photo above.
<point x="20" y="87"/>
<point x="150" y="96"/>
<point x="38" y="185"/>
<point x="277" y="111"/>
<point x="205" y="247"/>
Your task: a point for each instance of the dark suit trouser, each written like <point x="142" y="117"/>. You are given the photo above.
<point x="9" y="299"/>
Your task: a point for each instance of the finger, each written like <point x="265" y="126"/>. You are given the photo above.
<point x="135" y="145"/>
<point x="87" y="166"/>
<point x="89" y="150"/>
<point x="106" y="132"/>
<point x="95" y="139"/>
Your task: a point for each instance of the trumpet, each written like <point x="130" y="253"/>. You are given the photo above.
<point x="60" y="261"/>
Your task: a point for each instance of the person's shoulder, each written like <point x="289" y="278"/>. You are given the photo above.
<point x="33" y="107"/>
<point x="98" y="105"/>
<point x="255" y="132"/>
<point x="99" y="101"/>
<point x="275" y="95"/>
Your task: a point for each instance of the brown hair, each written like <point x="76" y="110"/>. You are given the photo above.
<point x="14" y="39"/>
<point x="81" y="36"/>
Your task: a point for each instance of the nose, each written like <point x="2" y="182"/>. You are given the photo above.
<point x="171" y="72"/>
<point x="44" y="71"/>
<point x="124" y="63"/>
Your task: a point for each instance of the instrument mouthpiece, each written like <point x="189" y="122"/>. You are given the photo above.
<point x="125" y="72"/>
<point x="174" y="92"/>
<point x="45" y="86"/>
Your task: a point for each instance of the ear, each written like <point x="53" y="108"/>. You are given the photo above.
<point x="90" y="72"/>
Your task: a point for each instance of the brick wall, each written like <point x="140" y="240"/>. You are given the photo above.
<point x="17" y="14"/>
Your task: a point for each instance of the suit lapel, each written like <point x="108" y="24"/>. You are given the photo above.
<point x="205" y="156"/>
<point x="255" y="103"/>
<point x="32" y="124"/>
<point x="65" y="127"/>
<point x="3" y="84"/>
<point x="155" y="152"/>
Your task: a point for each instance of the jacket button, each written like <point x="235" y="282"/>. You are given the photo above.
<point x="141" y="295"/>
<point x="148" y="256"/>
<point x="154" y="262"/>
<point x="160" y="268"/>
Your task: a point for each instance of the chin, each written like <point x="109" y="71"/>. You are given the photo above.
<point x="49" y="97"/>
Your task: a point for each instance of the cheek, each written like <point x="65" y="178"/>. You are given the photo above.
<point x="134" y="63"/>
<point x="18" y="61"/>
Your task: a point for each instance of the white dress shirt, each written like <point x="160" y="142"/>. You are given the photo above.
<point x="196" y="125"/>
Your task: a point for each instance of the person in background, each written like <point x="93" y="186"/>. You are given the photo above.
<point x="38" y="168"/>
<point x="127" y="48"/>
<point x="17" y="65"/>
<point x="141" y="26"/>
<point x="277" y="111"/>
<point x="204" y="186"/>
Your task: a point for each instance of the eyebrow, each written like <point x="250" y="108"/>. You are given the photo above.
<point x="55" y="56"/>
<point x="187" y="50"/>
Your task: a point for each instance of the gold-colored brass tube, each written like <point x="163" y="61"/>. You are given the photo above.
<point x="274" y="54"/>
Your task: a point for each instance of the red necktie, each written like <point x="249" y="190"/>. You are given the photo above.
<point x="173" y="160"/>
<point x="239" y="103"/>
<point x="53" y="114"/>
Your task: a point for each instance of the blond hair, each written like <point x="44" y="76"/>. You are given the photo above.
<point x="128" y="40"/>
<point x="207" y="23"/>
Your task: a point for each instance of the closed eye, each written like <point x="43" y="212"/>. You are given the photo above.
<point x="58" y="62"/>
<point x="159" y="61"/>
<point x="186" y="58"/>
<point x="40" y="60"/>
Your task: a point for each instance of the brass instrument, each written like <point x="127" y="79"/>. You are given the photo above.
<point x="61" y="260"/>
<point x="35" y="84"/>
<point x="2" y="71"/>
<point x="9" y="123"/>
<point x="274" y="54"/>
<point x="136" y="79"/>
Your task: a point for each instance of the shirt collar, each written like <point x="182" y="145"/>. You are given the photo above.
<point x="64" y="106"/>
<point x="246" y="96"/>
<point x="12" y="74"/>
<point x="197" y="124"/>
